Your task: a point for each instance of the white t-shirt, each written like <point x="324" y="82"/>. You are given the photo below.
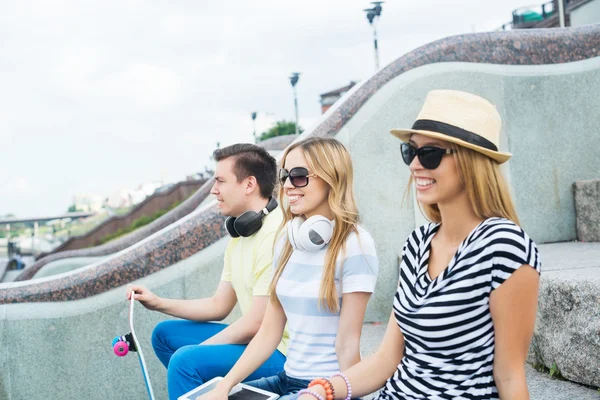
<point x="312" y="327"/>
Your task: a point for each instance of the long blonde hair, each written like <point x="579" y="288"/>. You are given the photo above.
<point x="329" y="159"/>
<point x="485" y="184"/>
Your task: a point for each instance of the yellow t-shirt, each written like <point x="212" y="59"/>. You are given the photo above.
<point x="248" y="265"/>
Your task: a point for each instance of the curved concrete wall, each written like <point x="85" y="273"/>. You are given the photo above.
<point x="534" y="47"/>
<point x="199" y="199"/>
<point x="150" y="205"/>
<point x="178" y="242"/>
<point x="66" y="265"/>
<point x="63" y="350"/>
<point x="550" y="131"/>
<point x="128" y="240"/>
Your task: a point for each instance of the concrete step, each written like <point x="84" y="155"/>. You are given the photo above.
<point x="568" y="318"/>
<point x="587" y="210"/>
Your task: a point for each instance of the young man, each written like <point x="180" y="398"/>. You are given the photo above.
<point x="195" y="350"/>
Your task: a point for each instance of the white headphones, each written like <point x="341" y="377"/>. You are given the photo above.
<point x="310" y="234"/>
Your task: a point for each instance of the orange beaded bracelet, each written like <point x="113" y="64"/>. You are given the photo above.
<point x="329" y="392"/>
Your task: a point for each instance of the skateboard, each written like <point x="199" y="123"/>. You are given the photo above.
<point x="129" y="342"/>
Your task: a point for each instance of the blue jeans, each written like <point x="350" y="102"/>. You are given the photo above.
<point x="285" y="386"/>
<point x="189" y="364"/>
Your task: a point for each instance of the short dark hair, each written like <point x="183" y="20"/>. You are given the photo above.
<point x="251" y="160"/>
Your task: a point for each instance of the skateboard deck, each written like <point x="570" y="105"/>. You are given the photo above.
<point x="129" y="342"/>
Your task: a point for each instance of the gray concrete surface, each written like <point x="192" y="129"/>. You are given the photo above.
<point x="66" y="265"/>
<point x="567" y="331"/>
<point x="587" y="209"/>
<point x="63" y="350"/>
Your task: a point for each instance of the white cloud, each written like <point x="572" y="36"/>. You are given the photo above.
<point x="147" y="85"/>
<point x="22" y="185"/>
<point x="89" y="76"/>
<point x="11" y="185"/>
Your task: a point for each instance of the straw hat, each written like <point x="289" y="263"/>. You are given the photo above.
<point x="462" y="118"/>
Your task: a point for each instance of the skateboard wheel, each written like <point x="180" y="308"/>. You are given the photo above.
<point x="121" y="348"/>
<point x="115" y="340"/>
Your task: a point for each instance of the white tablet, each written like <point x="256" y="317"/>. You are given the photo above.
<point x="239" y="392"/>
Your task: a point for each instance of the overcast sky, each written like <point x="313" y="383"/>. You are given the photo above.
<point x="101" y="95"/>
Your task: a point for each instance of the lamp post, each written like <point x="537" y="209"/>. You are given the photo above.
<point x="253" y="115"/>
<point x="294" y="80"/>
<point x="372" y="14"/>
<point x="561" y="13"/>
<point x="213" y="159"/>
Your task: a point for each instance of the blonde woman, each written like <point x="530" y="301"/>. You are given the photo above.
<point x="325" y="271"/>
<point x="464" y="312"/>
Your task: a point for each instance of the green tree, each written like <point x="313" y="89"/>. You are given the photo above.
<point x="281" y="128"/>
<point x="73" y="208"/>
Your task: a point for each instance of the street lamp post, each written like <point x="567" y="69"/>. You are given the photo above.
<point x="561" y="13"/>
<point x="254" y="124"/>
<point x="372" y="14"/>
<point x="294" y="80"/>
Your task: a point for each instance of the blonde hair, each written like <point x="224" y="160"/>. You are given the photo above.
<point x="329" y="159"/>
<point x="485" y="184"/>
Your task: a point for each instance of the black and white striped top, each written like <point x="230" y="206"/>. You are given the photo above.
<point x="446" y="322"/>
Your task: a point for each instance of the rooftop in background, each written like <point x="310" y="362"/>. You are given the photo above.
<point x="329" y="98"/>
<point x="277" y="144"/>
<point x="546" y="15"/>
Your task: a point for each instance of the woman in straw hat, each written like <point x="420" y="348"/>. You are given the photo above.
<point x="464" y="312"/>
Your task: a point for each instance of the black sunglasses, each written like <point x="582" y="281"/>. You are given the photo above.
<point x="298" y="176"/>
<point x="430" y="157"/>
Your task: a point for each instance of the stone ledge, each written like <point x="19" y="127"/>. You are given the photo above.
<point x="567" y="329"/>
<point x="587" y="210"/>
<point x="568" y="325"/>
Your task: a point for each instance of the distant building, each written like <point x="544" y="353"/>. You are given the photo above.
<point x="88" y="202"/>
<point x="584" y="13"/>
<point x="329" y="98"/>
<point x="545" y="15"/>
<point x="118" y="199"/>
<point x="142" y="191"/>
<point x="277" y="144"/>
<point x="123" y="198"/>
